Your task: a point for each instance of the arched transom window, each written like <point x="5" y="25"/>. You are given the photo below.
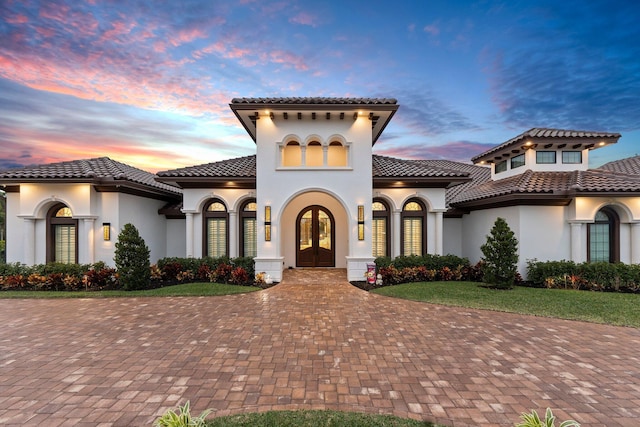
<point x="414" y="228"/>
<point x="603" y="237"/>
<point x="248" y="230"/>
<point x="381" y="243"/>
<point x="215" y="229"/>
<point x="62" y="235"/>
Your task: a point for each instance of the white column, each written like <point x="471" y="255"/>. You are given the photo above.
<point x="88" y="231"/>
<point x="233" y="234"/>
<point x="635" y="243"/>
<point x="438" y="233"/>
<point x="397" y="223"/>
<point x="576" y="242"/>
<point x="29" y="241"/>
<point x="189" y="231"/>
<point x="325" y="157"/>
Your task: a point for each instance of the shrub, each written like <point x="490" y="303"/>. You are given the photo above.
<point x="181" y="419"/>
<point x="239" y="276"/>
<point x="132" y="259"/>
<point x="222" y="273"/>
<point x="99" y="277"/>
<point x="500" y="256"/>
<point x="533" y="420"/>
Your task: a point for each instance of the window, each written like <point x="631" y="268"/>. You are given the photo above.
<point x="603" y="237"/>
<point x="337" y="154"/>
<point x="501" y="167"/>
<point x="62" y="238"/>
<point x="380" y="229"/>
<point x="545" y="157"/>
<point x="414" y="233"/>
<point x="517" y="161"/>
<point x="248" y="232"/>
<point x="215" y="229"/>
<point x="292" y="154"/>
<point x="313" y="154"/>
<point x="573" y="157"/>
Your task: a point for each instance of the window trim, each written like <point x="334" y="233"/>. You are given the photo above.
<point x="206" y="214"/>
<point x="244" y="214"/>
<point x="386" y="214"/>
<point x="422" y="214"/>
<point x="52" y="222"/>
<point x="614" y="234"/>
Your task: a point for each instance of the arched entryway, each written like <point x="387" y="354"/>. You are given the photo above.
<point x="315" y="237"/>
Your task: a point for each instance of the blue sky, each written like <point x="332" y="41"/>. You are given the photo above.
<point x="149" y="83"/>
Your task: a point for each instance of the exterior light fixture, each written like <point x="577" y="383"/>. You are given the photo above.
<point x="267" y="223"/>
<point x="360" y="222"/>
<point x="106" y="231"/>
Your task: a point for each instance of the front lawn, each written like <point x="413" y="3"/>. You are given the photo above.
<point x="310" y="418"/>
<point x="185" y="289"/>
<point x="600" y="307"/>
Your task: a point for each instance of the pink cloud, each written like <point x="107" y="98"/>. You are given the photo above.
<point x="303" y="18"/>
<point x="288" y="58"/>
<point x="17" y="19"/>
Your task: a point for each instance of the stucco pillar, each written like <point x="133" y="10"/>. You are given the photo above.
<point x="576" y="242"/>
<point x="438" y="233"/>
<point x="89" y="233"/>
<point x="233" y="234"/>
<point x="189" y="230"/>
<point x="29" y="228"/>
<point x="325" y="156"/>
<point x="395" y="247"/>
<point x="635" y="242"/>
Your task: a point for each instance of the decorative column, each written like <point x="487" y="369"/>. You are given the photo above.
<point x="89" y="232"/>
<point x="439" y="233"/>
<point x="189" y="231"/>
<point x="576" y="242"/>
<point x="233" y="234"/>
<point x="397" y="223"/>
<point x="635" y="243"/>
<point x="29" y="229"/>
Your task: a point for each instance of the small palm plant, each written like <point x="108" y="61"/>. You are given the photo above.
<point x="181" y="419"/>
<point x="533" y="420"/>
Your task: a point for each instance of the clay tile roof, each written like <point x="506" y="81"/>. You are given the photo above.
<point x="629" y="166"/>
<point x="546" y="133"/>
<point x="315" y="101"/>
<point x="390" y="167"/>
<point x="553" y="184"/>
<point x="241" y="167"/>
<point x="100" y="170"/>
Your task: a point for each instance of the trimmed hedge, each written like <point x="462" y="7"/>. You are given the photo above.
<point x="596" y="276"/>
<point x="426" y="268"/>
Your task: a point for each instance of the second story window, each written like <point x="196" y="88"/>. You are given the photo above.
<point x="545" y="157"/>
<point x="517" y="161"/>
<point x="572" y="157"/>
<point x="501" y="166"/>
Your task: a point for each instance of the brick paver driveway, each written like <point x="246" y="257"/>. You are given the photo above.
<point x="311" y="342"/>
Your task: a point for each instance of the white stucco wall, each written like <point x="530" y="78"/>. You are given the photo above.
<point x="176" y="238"/>
<point x="143" y="213"/>
<point x="452" y="231"/>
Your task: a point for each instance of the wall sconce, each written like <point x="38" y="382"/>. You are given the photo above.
<point x="360" y="222"/>
<point x="267" y="223"/>
<point x="106" y="231"/>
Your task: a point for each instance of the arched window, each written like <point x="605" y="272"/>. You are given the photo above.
<point x="414" y="228"/>
<point x="337" y="154"/>
<point x="248" y="230"/>
<point x="292" y="154"/>
<point x="381" y="242"/>
<point x="603" y="236"/>
<point x="215" y="229"/>
<point x="313" y="155"/>
<point x="62" y="236"/>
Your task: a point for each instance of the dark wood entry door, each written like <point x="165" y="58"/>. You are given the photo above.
<point x="315" y="238"/>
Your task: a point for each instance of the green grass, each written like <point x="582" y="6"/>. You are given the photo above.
<point x="599" y="307"/>
<point x="185" y="289"/>
<point x="309" y="418"/>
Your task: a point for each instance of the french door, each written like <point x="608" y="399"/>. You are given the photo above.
<point x="315" y="237"/>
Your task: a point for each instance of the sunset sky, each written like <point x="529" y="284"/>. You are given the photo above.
<point x="148" y="83"/>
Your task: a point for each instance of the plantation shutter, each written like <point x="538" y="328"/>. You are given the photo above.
<point x="217" y="237"/>
<point x="412" y="242"/>
<point x="379" y="236"/>
<point x="250" y="237"/>
<point x="65" y="244"/>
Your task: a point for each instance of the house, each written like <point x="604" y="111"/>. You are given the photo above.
<point x="315" y="195"/>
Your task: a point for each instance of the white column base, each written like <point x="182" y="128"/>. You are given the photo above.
<point x="270" y="266"/>
<point x="357" y="267"/>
